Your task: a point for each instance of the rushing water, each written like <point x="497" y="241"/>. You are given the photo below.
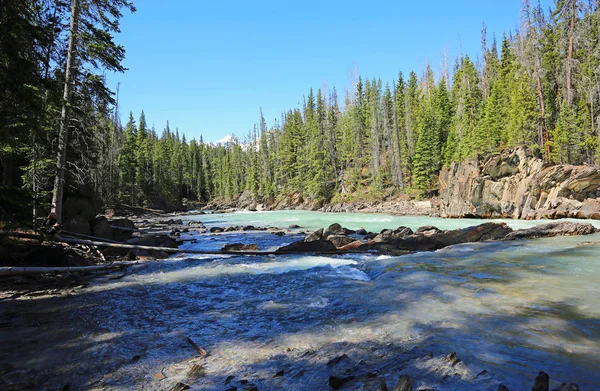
<point x="512" y="308"/>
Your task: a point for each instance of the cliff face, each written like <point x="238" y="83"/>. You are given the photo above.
<point x="515" y="184"/>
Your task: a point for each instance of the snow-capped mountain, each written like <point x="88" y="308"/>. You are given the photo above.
<point x="224" y="141"/>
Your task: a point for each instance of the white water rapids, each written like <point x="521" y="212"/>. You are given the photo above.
<point x="511" y="308"/>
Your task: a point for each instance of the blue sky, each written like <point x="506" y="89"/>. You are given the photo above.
<point x="209" y="66"/>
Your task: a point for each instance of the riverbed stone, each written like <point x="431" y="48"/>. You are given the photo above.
<point x="340" y="240"/>
<point x="568" y="386"/>
<point x="314" y="236"/>
<point x="239" y="247"/>
<point x="404" y="383"/>
<point x="542" y="382"/>
<point x="312" y="246"/>
<point x="334" y="229"/>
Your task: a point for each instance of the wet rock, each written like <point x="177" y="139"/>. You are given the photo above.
<point x="542" y="382"/>
<point x="171" y="222"/>
<point x="351" y="246"/>
<point x="373" y="384"/>
<point x="384" y="236"/>
<point x="179" y="386"/>
<point x="427" y="228"/>
<point x="343" y="359"/>
<point x="340" y="240"/>
<point x="405" y="383"/>
<point x="313" y="246"/>
<point x="382" y="386"/>
<point x="552" y="229"/>
<point x="294" y="226"/>
<point x="334" y="229"/>
<point x="431" y="240"/>
<point x="248" y="228"/>
<point x="361" y="231"/>
<point x="315" y="236"/>
<point x="231" y="229"/>
<point x="403" y="231"/>
<point x="216" y="229"/>
<point x="370" y="236"/>
<point x="453" y="358"/>
<point x="568" y="386"/>
<point x="279" y="373"/>
<point x="278" y="233"/>
<point x="336" y="382"/>
<point x="239" y="247"/>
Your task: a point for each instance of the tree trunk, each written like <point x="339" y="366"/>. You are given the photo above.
<point x="544" y="140"/>
<point x="570" y="55"/>
<point x="63" y="135"/>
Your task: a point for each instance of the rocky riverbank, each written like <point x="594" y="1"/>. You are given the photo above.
<point x="516" y="184"/>
<point x="403" y="240"/>
<point x="392" y="206"/>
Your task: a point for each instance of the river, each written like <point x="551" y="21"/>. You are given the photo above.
<point x="510" y="308"/>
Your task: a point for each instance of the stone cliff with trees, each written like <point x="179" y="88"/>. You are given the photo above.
<point x="538" y="87"/>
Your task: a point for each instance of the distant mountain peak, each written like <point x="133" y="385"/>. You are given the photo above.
<point x="224" y="141"/>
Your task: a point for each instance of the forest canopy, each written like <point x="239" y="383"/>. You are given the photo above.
<point x="538" y="86"/>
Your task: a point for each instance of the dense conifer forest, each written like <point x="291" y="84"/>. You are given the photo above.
<point x="538" y="86"/>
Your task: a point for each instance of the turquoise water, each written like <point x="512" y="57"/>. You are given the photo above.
<point x="511" y="308"/>
<point x="370" y="221"/>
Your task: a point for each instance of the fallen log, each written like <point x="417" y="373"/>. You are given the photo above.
<point x="28" y="270"/>
<point x="192" y="251"/>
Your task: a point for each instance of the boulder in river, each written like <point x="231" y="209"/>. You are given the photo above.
<point x="239" y="247"/>
<point x="431" y="240"/>
<point x="404" y="383"/>
<point x="314" y="236"/>
<point x="340" y="240"/>
<point x="403" y="231"/>
<point x="542" y="382"/>
<point x="334" y="229"/>
<point x="312" y="246"/>
<point x="361" y="231"/>
<point x="568" y="386"/>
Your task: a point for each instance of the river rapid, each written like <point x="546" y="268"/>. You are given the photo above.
<point x="510" y="308"/>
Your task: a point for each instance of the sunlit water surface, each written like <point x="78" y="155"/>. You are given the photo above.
<point x="512" y="308"/>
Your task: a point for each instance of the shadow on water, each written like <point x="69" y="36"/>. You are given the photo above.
<point x="386" y="314"/>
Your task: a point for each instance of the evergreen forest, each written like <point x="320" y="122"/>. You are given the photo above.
<point x="538" y="86"/>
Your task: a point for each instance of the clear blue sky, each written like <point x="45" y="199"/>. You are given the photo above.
<point x="209" y="66"/>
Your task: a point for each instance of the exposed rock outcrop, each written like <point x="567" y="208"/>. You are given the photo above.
<point x="429" y="238"/>
<point x="516" y="184"/>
